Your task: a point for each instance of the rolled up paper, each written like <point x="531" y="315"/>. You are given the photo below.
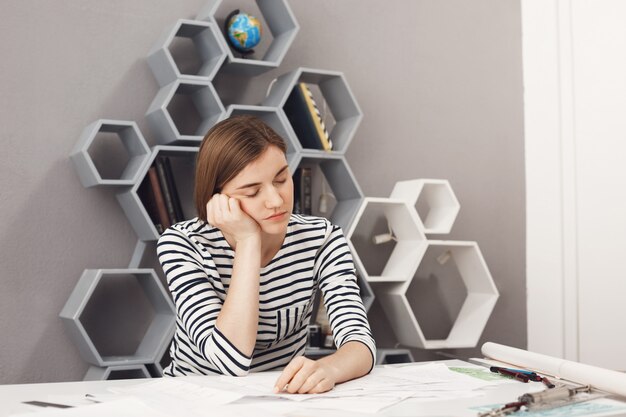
<point x="603" y="379"/>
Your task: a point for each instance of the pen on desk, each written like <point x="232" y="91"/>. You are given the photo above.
<point x="547" y="382"/>
<point x="517" y="375"/>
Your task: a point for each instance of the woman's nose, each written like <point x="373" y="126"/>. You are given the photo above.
<point x="274" y="198"/>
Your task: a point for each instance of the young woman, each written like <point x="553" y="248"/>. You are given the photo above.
<point x="244" y="273"/>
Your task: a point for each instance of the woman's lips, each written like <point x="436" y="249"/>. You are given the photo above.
<point x="278" y="216"/>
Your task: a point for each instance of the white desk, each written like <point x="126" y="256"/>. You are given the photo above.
<point x="11" y="397"/>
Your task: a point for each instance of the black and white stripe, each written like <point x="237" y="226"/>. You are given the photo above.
<point x="198" y="263"/>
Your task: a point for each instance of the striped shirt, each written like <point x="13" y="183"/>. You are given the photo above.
<point x="198" y="263"/>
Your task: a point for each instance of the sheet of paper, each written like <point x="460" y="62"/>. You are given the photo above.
<point x="123" y="407"/>
<point x="175" y="394"/>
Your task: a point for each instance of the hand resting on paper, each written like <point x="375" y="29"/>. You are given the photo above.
<point x="306" y="376"/>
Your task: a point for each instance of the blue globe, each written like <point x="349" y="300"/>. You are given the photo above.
<point x="244" y="31"/>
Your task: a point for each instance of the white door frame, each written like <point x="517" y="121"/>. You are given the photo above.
<point x="551" y="228"/>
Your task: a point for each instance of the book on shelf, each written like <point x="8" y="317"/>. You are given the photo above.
<point x="305" y="118"/>
<point x="302" y="191"/>
<point x="152" y="197"/>
<point x="167" y="194"/>
<point x="171" y="185"/>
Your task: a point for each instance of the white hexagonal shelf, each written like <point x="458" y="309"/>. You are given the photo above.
<point x="340" y="178"/>
<point x="441" y="205"/>
<point x="406" y="230"/>
<point x="207" y="44"/>
<point x="161" y="327"/>
<point x="337" y="94"/>
<point x="277" y="120"/>
<point x="96" y="373"/>
<point x="481" y="296"/>
<point x="132" y="140"/>
<point x="281" y="24"/>
<point x="183" y="166"/>
<point x="196" y="102"/>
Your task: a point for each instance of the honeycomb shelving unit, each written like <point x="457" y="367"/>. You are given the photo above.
<point x="209" y="52"/>
<point x="281" y="24"/>
<point x="441" y="205"/>
<point x="159" y="330"/>
<point x="408" y="230"/>
<point x="336" y="93"/>
<point x="191" y="97"/>
<point x="133" y="142"/>
<point x="134" y="207"/>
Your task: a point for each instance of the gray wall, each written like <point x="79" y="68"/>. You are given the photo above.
<point x="439" y="82"/>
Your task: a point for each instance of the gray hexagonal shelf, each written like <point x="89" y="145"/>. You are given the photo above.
<point x="197" y="109"/>
<point x="390" y="356"/>
<point x="277" y="120"/>
<point x="436" y="204"/>
<point x="96" y="373"/>
<point x="479" y="301"/>
<point x="337" y="94"/>
<point x="132" y="140"/>
<point x="184" y="171"/>
<point x="342" y="182"/>
<point x="405" y="228"/>
<point x="160" y="329"/>
<point x="281" y="24"/>
<point x="207" y="44"/>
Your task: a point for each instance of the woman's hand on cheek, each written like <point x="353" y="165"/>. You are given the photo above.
<point x="225" y="213"/>
<point x="305" y="376"/>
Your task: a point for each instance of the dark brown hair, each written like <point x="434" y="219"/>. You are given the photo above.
<point x="226" y="150"/>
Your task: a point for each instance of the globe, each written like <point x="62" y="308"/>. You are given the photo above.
<point x="244" y="31"/>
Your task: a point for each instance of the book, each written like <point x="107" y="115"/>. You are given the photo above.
<point x="305" y="119"/>
<point x="302" y="200"/>
<point x="320" y="127"/>
<point x="155" y="203"/>
<point x="171" y="185"/>
<point x="167" y="195"/>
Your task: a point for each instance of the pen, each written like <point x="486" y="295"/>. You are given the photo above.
<point x="517" y="375"/>
<point x="547" y="382"/>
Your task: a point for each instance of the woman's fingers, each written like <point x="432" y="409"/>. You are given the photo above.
<point x="288" y="373"/>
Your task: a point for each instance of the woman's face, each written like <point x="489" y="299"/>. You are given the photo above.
<point x="264" y="189"/>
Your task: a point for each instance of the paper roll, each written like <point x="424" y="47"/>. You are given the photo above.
<point x="604" y="379"/>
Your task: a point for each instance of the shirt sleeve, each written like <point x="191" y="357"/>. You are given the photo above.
<point x="190" y="281"/>
<point x="338" y="283"/>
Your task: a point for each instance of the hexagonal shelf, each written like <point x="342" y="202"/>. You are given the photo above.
<point x="277" y="120"/>
<point x="281" y="24"/>
<point x="481" y="296"/>
<point x="183" y="166"/>
<point x="160" y="328"/>
<point x="207" y="44"/>
<point x="183" y="112"/>
<point x="133" y="142"/>
<point x="434" y="200"/>
<point x="405" y="228"/>
<point x="337" y="94"/>
<point x="96" y="373"/>
<point x="341" y="180"/>
<point x="390" y="356"/>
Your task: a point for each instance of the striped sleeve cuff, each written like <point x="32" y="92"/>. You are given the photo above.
<point x="224" y="355"/>
<point x="367" y="341"/>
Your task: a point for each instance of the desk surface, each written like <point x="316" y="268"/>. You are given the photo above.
<point x="12" y="396"/>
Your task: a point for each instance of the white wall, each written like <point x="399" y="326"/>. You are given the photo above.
<point x="575" y="100"/>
